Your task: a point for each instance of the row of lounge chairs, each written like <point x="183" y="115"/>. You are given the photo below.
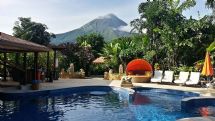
<point x="184" y="78"/>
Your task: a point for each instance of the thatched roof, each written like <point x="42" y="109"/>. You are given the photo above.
<point x="10" y="43"/>
<point x="99" y="60"/>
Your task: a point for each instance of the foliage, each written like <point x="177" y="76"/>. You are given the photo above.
<point x="111" y="52"/>
<point x="98" y="69"/>
<point x="211" y="47"/>
<point x="210" y="3"/>
<point x="185" y="68"/>
<point x="42" y="59"/>
<point x="163" y="35"/>
<point x="95" y="41"/>
<point x="173" y="37"/>
<point x="29" y="30"/>
<point x="82" y="57"/>
<point x="124" y="49"/>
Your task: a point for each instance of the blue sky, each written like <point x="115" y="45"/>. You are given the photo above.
<point x="65" y="15"/>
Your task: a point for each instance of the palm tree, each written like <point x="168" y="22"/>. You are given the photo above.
<point x="211" y="47"/>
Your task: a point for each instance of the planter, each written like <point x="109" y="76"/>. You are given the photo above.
<point x="35" y="85"/>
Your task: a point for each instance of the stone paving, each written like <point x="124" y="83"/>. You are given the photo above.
<point x="65" y="83"/>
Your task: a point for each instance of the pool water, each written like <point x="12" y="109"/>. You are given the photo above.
<point x="144" y="105"/>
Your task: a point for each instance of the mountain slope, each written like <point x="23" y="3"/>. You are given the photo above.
<point x="108" y="26"/>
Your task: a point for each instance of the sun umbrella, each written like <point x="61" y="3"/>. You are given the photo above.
<point x="207" y="68"/>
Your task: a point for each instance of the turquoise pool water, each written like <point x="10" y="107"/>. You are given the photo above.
<point x="103" y="104"/>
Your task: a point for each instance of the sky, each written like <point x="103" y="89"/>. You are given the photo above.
<point x="65" y="15"/>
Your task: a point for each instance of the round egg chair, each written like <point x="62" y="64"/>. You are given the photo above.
<point x="140" y="70"/>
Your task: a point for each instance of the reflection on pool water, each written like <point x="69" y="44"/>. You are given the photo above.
<point x="144" y="105"/>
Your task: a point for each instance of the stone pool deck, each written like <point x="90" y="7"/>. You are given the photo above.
<point x="66" y="83"/>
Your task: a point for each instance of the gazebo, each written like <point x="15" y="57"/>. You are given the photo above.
<point x="11" y="44"/>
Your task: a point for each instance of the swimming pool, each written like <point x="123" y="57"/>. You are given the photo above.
<point x="96" y="104"/>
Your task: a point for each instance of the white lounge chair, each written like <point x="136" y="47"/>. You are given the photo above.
<point x="157" y="76"/>
<point x="183" y="77"/>
<point x="194" y="78"/>
<point x="168" y="76"/>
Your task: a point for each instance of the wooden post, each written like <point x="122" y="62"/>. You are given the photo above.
<point x="17" y="58"/>
<point x="5" y="69"/>
<point x="25" y="69"/>
<point x="54" y="67"/>
<point x="35" y="65"/>
<point x="47" y="66"/>
<point x="47" y="63"/>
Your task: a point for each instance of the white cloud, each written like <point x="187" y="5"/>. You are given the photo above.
<point x="125" y="28"/>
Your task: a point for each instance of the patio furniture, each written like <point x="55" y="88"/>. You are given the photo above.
<point x="168" y="77"/>
<point x="140" y="70"/>
<point x="183" y="77"/>
<point x="194" y="78"/>
<point x="140" y="78"/>
<point x="158" y="74"/>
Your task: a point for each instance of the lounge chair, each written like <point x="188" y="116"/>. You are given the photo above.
<point x="183" y="77"/>
<point x="157" y="76"/>
<point x="168" y="76"/>
<point x="194" y="78"/>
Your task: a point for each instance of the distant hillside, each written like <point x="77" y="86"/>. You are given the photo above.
<point x="108" y="26"/>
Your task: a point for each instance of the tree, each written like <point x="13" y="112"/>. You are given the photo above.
<point x="81" y="56"/>
<point x="32" y="31"/>
<point x="211" y="4"/>
<point x="95" y="41"/>
<point x="164" y="23"/>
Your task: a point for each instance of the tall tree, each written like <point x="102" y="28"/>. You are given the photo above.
<point x="164" y="23"/>
<point x="29" y="30"/>
<point x="211" y="4"/>
<point x="82" y="57"/>
<point x="95" y="41"/>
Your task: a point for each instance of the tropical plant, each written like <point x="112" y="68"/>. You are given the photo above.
<point x="211" y="47"/>
<point x="171" y="35"/>
<point x="210" y="3"/>
<point x="111" y="52"/>
<point x="124" y="49"/>
<point x="95" y="41"/>
<point x="82" y="57"/>
<point x="32" y="31"/>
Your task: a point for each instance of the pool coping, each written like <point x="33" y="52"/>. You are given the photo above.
<point x="67" y="83"/>
<point x="209" y="118"/>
